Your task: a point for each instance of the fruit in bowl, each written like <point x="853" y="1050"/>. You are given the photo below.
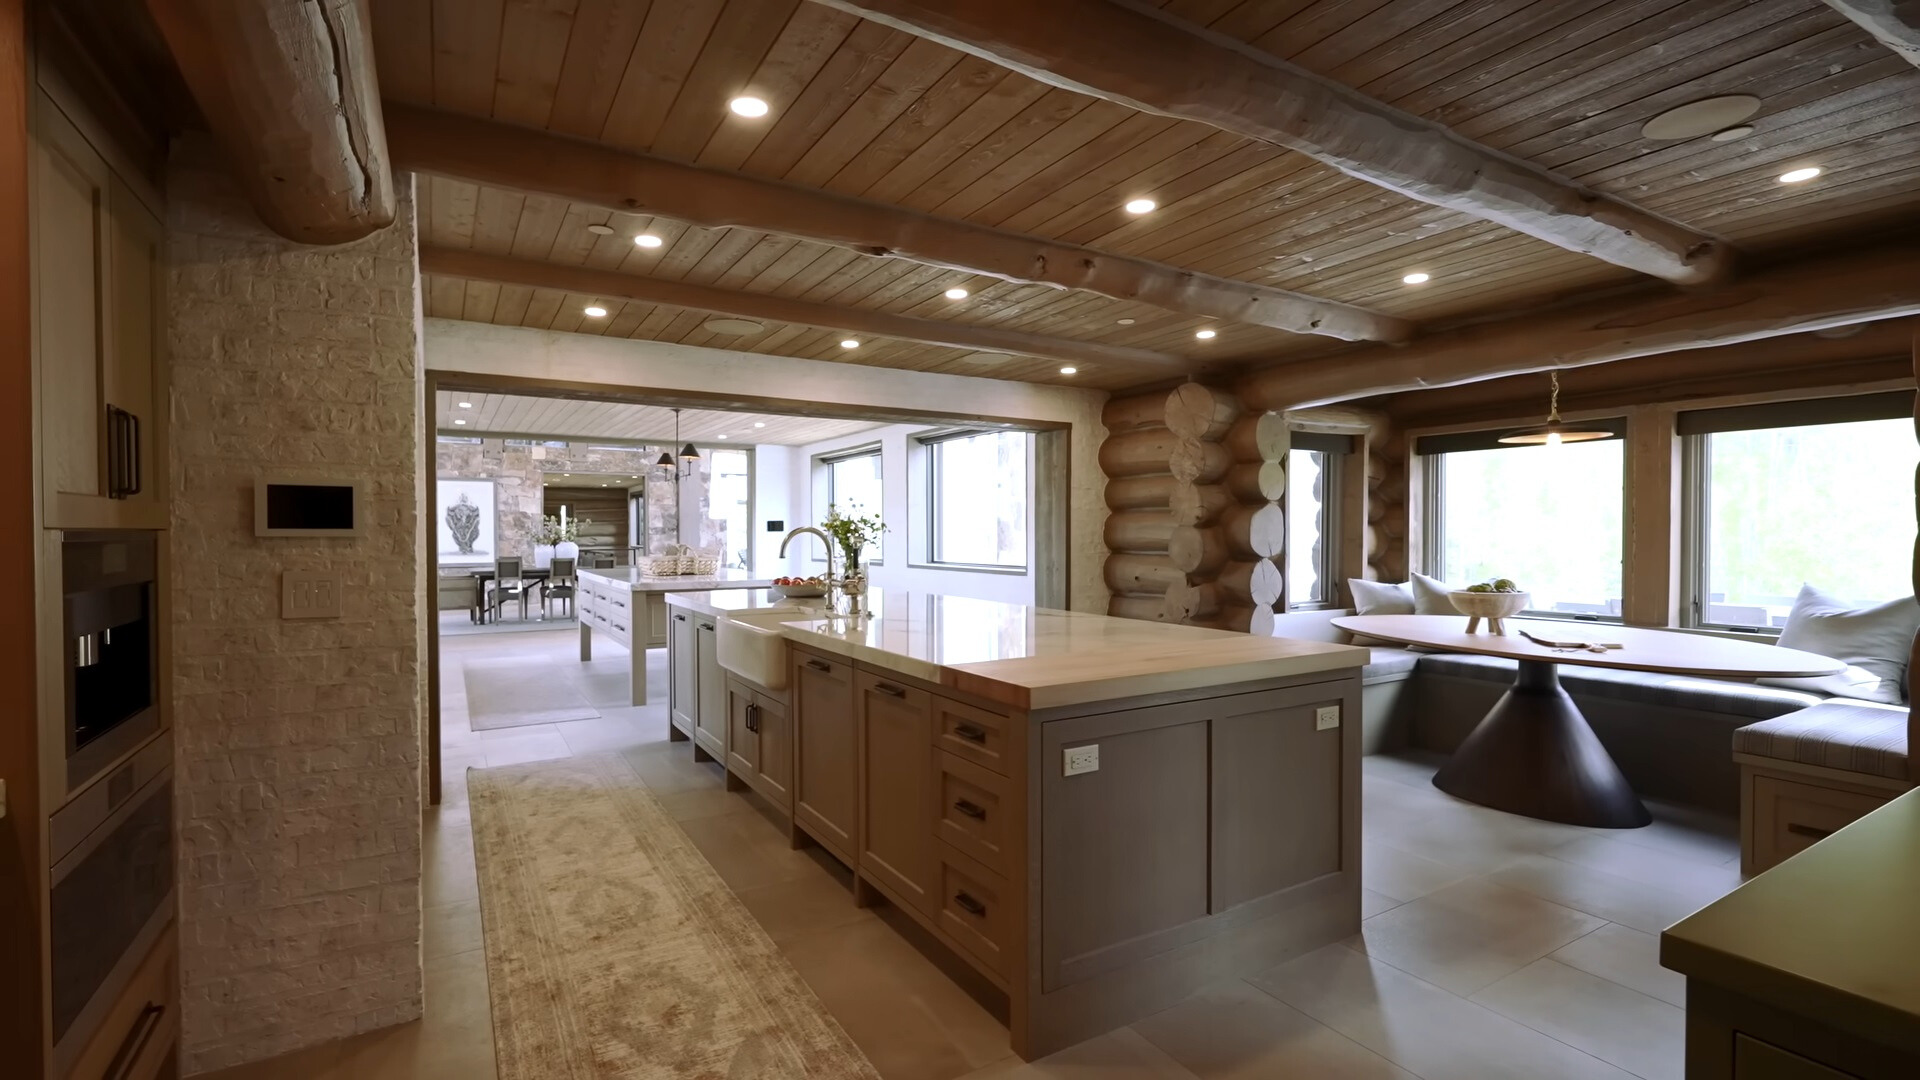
<point x="800" y="586"/>
<point x="1493" y="601"/>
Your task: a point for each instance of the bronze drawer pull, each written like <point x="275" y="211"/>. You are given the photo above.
<point x="969" y="905"/>
<point x="819" y="665"/>
<point x="970" y="733"/>
<point x="972" y="810"/>
<point x="704" y="626"/>
<point x="890" y="690"/>
<point x="753" y="718"/>
<point x="1809" y="831"/>
<point x="679" y="618"/>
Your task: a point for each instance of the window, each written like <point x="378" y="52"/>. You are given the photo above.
<point x="728" y="502"/>
<point x="977" y="498"/>
<point x="1547" y="517"/>
<point x="853" y="486"/>
<point x="1817" y="492"/>
<point x="1313" y="520"/>
<point x="551" y="444"/>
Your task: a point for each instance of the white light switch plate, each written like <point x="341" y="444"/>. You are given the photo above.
<point x="309" y="594"/>
<point x="1326" y="716"/>
<point x="1080" y="759"/>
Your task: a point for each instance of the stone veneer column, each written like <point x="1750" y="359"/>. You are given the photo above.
<point x="298" y="743"/>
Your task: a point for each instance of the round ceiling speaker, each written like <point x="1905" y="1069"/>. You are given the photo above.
<point x="732" y="326"/>
<point x="600" y="230"/>
<point x="985" y="358"/>
<point x="1737" y="131"/>
<point x="1704" y="117"/>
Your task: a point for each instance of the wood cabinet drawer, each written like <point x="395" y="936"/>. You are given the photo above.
<point x="1756" y="1060"/>
<point x="143" y="1024"/>
<point x="974" y="734"/>
<point x="973" y="910"/>
<point x="971" y="815"/>
<point x="1789" y="816"/>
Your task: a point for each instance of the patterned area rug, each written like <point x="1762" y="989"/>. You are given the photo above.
<point x="615" y="950"/>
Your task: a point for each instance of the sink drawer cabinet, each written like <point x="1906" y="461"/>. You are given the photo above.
<point x="760" y="742"/>
<point x="896" y="768"/>
<point x="710" y="692"/>
<point x="973" y="911"/>
<point x="970" y="732"/>
<point x="826" y="782"/>
<point x="683" y="665"/>
<point x="970" y="815"/>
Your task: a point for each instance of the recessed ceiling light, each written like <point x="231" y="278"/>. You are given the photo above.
<point x="1203" y="335"/>
<point x="1141" y="206"/>
<point x="600" y="230"/>
<point x="759" y="423"/>
<point x="1418" y="277"/>
<point x="956" y="293"/>
<point x="849" y="343"/>
<point x="648" y="240"/>
<point x="1124" y="322"/>
<point x="1737" y="131"/>
<point x="1069" y="371"/>
<point x="461" y="423"/>
<point x="1798" y="176"/>
<point x="466" y="404"/>
<point x="748" y="106"/>
<point x="719" y="436"/>
<point x="595" y="311"/>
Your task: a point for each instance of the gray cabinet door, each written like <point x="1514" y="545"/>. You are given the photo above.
<point x="826" y="780"/>
<point x="683" y="664"/>
<point x="710" y="691"/>
<point x="774" y="730"/>
<point x="896" y="767"/>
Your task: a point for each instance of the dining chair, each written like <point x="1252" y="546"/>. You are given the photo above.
<point x="560" y="585"/>
<point x="509" y="585"/>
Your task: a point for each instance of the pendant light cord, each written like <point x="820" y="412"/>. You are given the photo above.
<point x="1553" y="405"/>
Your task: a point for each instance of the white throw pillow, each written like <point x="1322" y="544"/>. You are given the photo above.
<point x="1430" y="596"/>
<point x="1380" y="598"/>
<point x="1873" y="642"/>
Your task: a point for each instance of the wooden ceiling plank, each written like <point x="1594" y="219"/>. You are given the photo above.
<point x="670" y="43"/>
<point x="1181" y="164"/>
<point x="446" y="295"/>
<point x="403" y="49"/>
<point x="496" y="215"/>
<point x="806" y="279"/>
<point x="1436" y="41"/>
<point x="741" y="38"/>
<point x="1057" y="147"/>
<point x="732" y="246"/>
<point x="466" y="54"/>
<point x="1329" y="50"/>
<point x="1732" y="191"/>
<point x="920" y="67"/>
<point x="1792" y="298"/>
<point x="572" y="243"/>
<point x="622" y="322"/>
<point x="1834" y="146"/>
<point x="529" y="70"/>
<point x="862" y="58"/>
<point x="686" y="252"/>
<point x="512" y="309"/>
<point x="1249" y="168"/>
<point x="1893" y="23"/>
<point x="965" y="83"/>
<point x="544" y="308"/>
<point x="1123" y="53"/>
<point x="454" y="203"/>
<point x="481" y="300"/>
<point x="1004" y="101"/>
<point x="1889" y="200"/>
<point x="599" y="51"/>
<point x="806" y="44"/>
<point x="1480" y="48"/>
<point x="753" y="305"/>
<point x="539" y="226"/>
<point x="1005" y="143"/>
<point x="794" y="260"/>
<point x="766" y="253"/>
<point x="528" y="160"/>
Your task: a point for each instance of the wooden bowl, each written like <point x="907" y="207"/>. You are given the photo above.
<point x="797" y="592"/>
<point x="1489" y="605"/>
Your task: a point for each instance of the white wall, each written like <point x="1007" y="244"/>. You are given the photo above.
<point x="485" y="349"/>
<point x="904" y="513"/>
<point x="772" y="501"/>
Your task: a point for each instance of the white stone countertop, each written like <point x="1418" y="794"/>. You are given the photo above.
<point x="1037" y="658"/>
<point x="720" y="602"/>
<point x="673" y="583"/>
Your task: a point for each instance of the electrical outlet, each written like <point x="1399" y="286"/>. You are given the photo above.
<point x="309" y="594"/>
<point x="1326" y="716"/>
<point x="1080" y="759"/>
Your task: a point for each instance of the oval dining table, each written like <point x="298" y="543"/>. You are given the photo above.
<point x="1534" y="753"/>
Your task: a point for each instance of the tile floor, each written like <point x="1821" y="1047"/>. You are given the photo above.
<point x="1494" y="946"/>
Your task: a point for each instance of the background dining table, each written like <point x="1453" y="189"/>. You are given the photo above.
<point x="1534" y="753"/>
<point x="484" y="574"/>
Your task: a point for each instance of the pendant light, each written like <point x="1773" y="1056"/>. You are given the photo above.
<point x="689" y="457"/>
<point x="1553" y="432"/>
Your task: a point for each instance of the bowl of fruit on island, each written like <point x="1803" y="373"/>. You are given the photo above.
<point x="1490" y="600"/>
<point x="799" y="587"/>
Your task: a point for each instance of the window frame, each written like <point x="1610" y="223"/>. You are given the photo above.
<point x="1336" y="452"/>
<point x="824" y="463"/>
<point x="927" y="446"/>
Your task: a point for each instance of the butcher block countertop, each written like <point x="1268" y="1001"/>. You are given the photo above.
<point x="1039" y="658"/>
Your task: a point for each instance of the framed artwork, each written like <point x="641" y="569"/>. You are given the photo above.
<point x="464" y="521"/>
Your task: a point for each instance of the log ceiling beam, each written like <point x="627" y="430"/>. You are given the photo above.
<point x="1894" y="23"/>
<point x="1148" y="60"/>
<point x="289" y="89"/>
<point x="1790" y="298"/>
<point x="587" y="281"/>
<point x="503" y="155"/>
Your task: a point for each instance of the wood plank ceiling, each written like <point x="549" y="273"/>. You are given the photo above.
<point x="863" y="110"/>
<point x="528" y="416"/>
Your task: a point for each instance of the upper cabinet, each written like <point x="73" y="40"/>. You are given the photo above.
<point x="98" y="277"/>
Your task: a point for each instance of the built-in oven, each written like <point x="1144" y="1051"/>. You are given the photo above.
<point x="109" y="583"/>
<point x="112" y="857"/>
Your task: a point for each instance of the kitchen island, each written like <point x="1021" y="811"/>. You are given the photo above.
<point x="1099" y="815"/>
<point x="626" y="606"/>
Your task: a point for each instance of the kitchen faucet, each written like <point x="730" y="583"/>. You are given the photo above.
<point x="833" y="580"/>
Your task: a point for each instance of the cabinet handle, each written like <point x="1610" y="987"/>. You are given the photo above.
<point x="968" y="904"/>
<point x="890" y="690"/>
<point x="753" y="717"/>
<point x="1809" y="831"/>
<point x="679" y="618"/>
<point x="705" y="627"/>
<point x="133" y="454"/>
<point x="136" y="1041"/>
<point x="971" y="733"/>
<point x="972" y="810"/>
<point x="819" y="665"/>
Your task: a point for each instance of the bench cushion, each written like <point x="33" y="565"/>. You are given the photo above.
<point x="1389" y="663"/>
<point x="1644" y="687"/>
<point x="1850" y="736"/>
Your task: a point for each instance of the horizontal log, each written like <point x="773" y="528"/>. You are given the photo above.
<point x="1141" y="492"/>
<point x="1197" y="462"/>
<point x="1138" y="453"/>
<point x="1254" y="482"/>
<point x="1138" y="531"/>
<point x="1135" y="411"/>
<point x="1141" y="575"/>
<point x="1149" y="608"/>
<point x="1790" y="298"/>
<point x="1894" y="23"/>
<point x="503" y="155"/>
<point x="1184" y="603"/>
<point x="1254" y="620"/>
<point x="475" y="266"/>
<point x="1156" y="62"/>
<point x="1257" y="581"/>
<point x="1200" y="552"/>
<point x="1201" y="412"/>
<point x="1259" y="436"/>
<point x="1255" y="532"/>
<point x="1199" y="504"/>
